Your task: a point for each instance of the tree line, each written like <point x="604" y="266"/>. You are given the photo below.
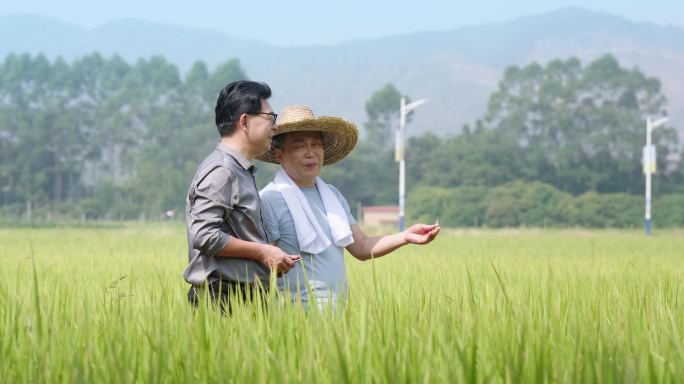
<point x="559" y="145"/>
<point x="99" y="138"/>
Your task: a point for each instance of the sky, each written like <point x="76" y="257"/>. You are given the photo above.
<point x="309" y="22"/>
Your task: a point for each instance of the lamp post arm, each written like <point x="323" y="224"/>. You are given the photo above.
<point x="411" y="106"/>
<point x="658" y="123"/>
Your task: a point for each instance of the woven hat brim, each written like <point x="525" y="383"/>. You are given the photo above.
<point x="339" y="137"/>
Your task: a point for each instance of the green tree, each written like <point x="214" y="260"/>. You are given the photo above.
<point x="229" y="71"/>
<point x="177" y="131"/>
<point x="118" y="140"/>
<point x="369" y="176"/>
<point x="382" y="110"/>
<point x="581" y="128"/>
<point x="481" y="158"/>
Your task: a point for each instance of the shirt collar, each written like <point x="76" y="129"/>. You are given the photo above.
<point x="244" y="163"/>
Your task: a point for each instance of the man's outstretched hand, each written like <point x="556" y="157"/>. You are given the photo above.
<point x="421" y="233"/>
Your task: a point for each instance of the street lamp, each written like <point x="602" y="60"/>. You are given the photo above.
<point x="649" y="159"/>
<point x="399" y="152"/>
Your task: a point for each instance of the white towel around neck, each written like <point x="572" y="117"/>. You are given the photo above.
<point x="310" y="236"/>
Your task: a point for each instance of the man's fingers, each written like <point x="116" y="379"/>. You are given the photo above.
<point x="424" y="228"/>
<point x="284" y="269"/>
<point x="423" y="233"/>
<point x="288" y="262"/>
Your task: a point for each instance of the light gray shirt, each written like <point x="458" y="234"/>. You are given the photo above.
<point x="323" y="274"/>
<point x="223" y="202"/>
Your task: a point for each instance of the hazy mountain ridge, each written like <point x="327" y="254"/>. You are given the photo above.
<point x="456" y="70"/>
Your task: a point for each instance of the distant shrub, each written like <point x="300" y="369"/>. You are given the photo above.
<point x="455" y="207"/>
<point x="668" y="211"/>
<point x="536" y="204"/>
<point x="594" y="210"/>
<point x="519" y="203"/>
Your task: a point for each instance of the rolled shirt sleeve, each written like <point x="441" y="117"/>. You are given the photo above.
<point x="270" y="214"/>
<point x="210" y="205"/>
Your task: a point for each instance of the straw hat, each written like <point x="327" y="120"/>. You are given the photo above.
<point x="339" y="135"/>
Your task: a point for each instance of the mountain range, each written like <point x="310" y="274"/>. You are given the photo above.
<point x="456" y="70"/>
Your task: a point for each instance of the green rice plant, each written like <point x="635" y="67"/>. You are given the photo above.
<point x="109" y="305"/>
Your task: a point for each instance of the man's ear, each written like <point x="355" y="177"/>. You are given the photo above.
<point x="244" y="121"/>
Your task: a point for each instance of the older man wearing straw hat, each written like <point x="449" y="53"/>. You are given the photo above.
<point x="306" y="216"/>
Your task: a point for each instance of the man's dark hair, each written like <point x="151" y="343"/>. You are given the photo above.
<point x="236" y="98"/>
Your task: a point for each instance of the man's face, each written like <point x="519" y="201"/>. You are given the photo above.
<point x="261" y="128"/>
<point x="302" y="157"/>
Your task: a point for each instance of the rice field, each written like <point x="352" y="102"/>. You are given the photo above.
<point x="108" y="305"/>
